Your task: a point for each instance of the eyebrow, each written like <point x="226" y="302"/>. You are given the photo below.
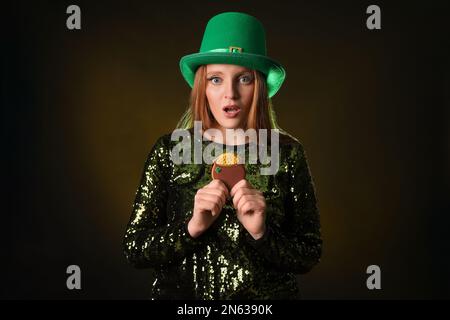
<point x="220" y="72"/>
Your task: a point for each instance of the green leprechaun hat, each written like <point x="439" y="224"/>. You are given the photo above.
<point x="235" y="38"/>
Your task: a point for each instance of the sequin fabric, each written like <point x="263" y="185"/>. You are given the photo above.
<point x="225" y="262"/>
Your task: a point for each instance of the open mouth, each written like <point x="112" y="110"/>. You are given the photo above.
<point x="231" y="110"/>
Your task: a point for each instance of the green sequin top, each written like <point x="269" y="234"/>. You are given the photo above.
<point x="224" y="262"/>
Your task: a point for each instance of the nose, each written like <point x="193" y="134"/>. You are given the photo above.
<point x="231" y="91"/>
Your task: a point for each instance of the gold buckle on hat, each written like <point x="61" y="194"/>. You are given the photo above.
<point x="235" y="49"/>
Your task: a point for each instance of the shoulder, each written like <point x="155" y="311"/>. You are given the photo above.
<point x="165" y="140"/>
<point x="175" y="135"/>
<point x="292" y="151"/>
<point x="168" y="143"/>
<point x="287" y="139"/>
<point x="289" y="142"/>
<point x="160" y="146"/>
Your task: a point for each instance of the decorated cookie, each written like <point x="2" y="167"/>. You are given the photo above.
<point x="226" y="168"/>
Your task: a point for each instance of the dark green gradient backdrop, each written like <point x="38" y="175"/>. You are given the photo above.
<point x="81" y="109"/>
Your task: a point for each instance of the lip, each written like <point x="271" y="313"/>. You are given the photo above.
<point x="232" y="114"/>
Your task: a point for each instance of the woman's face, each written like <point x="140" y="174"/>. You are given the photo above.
<point x="229" y="90"/>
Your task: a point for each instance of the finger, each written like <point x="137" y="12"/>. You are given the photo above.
<point x="244" y="199"/>
<point x="255" y="205"/>
<point x="212" y="198"/>
<point x="248" y="206"/>
<point x="244" y="191"/>
<point x="237" y="197"/>
<point x="209" y="206"/>
<point x="218" y="184"/>
<point x="218" y="193"/>
<point x="215" y="183"/>
<point x="237" y="186"/>
<point x="215" y="209"/>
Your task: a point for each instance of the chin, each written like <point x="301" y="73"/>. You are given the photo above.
<point x="230" y="124"/>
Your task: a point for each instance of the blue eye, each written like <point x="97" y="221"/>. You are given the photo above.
<point x="212" y="79"/>
<point x="218" y="80"/>
<point x="247" y="79"/>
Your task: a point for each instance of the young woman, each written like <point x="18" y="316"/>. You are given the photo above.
<point x="205" y="238"/>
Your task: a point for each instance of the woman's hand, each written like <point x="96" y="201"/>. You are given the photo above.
<point x="208" y="204"/>
<point x="251" y="208"/>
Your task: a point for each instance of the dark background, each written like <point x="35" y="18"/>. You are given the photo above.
<point x="81" y="109"/>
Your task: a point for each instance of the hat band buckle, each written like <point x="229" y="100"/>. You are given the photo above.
<point x="235" y="49"/>
<point x="230" y="49"/>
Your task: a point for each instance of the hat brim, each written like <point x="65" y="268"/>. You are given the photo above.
<point x="275" y="73"/>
